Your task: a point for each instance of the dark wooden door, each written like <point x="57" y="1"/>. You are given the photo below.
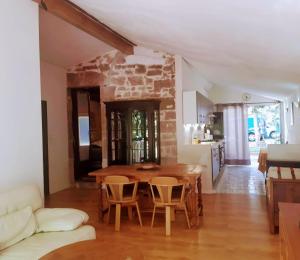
<point x="45" y="148"/>
<point x="86" y="131"/>
<point x="75" y="132"/>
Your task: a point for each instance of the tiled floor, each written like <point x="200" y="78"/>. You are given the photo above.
<point x="241" y="179"/>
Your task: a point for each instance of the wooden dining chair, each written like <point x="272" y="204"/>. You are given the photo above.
<point x="168" y="193"/>
<point x="121" y="192"/>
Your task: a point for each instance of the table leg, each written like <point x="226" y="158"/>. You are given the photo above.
<point x="200" y="203"/>
<point x="194" y="203"/>
<point x="100" y="201"/>
<point x="168" y="220"/>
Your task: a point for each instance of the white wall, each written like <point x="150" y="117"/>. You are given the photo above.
<point x="193" y="80"/>
<point x="223" y="95"/>
<point x="20" y="100"/>
<point x="54" y="91"/>
<point x="292" y="131"/>
<point x="187" y="77"/>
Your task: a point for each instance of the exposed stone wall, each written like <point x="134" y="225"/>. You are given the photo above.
<point x="121" y="80"/>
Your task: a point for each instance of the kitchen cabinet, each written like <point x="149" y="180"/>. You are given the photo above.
<point x="196" y="108"/>
<point x="217" y="160"/>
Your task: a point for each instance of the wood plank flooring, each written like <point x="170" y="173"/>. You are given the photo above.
<point x="242" y="180"/>
<point x="234" y="226"/>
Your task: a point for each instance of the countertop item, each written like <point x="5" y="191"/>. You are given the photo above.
<point x="208" y="142"/>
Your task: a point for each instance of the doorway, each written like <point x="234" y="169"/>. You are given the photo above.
<point x="264" y="127"/>
<point x="133" y="132"/>
<point x="86" y="131"/>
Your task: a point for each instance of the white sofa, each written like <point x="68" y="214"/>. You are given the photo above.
<point x="29" y="231"/>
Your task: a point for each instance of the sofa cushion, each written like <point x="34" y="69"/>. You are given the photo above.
<point x="20" y="198"/>
<point x="59" y="219"/>
<point x="40" y="244"/>
<point x="16" y="226"/>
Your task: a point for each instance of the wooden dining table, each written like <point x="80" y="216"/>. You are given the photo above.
<point x="190" y="174"/>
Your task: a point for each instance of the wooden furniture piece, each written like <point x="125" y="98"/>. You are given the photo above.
<point x="164" y="195"/>
<point x="95" y="249"/>
<point x="116" y="196"/>
<point x="289" y="219"/>
<point x="190" y="173"/>
<point x="262" y="160"/>
<point x="281" y="188"/>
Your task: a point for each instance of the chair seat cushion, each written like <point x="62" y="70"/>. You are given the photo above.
<point x="40" y="244"/>
<point x="59" y="219"/>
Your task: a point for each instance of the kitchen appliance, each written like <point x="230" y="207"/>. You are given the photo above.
<point x="215" y="159"/>
<point x="217" y="126"/>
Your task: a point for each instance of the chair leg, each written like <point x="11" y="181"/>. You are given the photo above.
<point x="172" y="214"/>
<point x="187" y="216"/>
<point x="168" y="220"/>
<point x="153" y="216"/>
<point x="108" y="214"/>
<point x="139" y="214"/>
<point x="118" y="217"/>
<point x="129" y="210"/>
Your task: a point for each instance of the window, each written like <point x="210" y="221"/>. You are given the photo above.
<point x="84" y="127"/>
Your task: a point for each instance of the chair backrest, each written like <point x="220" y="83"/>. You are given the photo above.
<point x="115" y="188"/>
<point x="167" y="190"/>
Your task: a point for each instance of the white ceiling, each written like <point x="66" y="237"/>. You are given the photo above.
<point x="64" y="45"/>
<point x="251" y="44"/>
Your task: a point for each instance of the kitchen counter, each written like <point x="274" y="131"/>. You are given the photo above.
<point x="204" y="154"/>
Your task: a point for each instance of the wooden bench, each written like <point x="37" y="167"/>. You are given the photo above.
<point x="282" y="185"/>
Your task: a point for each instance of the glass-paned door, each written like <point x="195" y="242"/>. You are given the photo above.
<point x="156" y="135"/>
<point x="117" y="137"/>
<point x="139" y="137"/>
<point x="144" y="146"/>
<point x="133" y="132"/>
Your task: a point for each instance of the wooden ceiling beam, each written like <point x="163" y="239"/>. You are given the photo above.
<point x="76" y="16"/>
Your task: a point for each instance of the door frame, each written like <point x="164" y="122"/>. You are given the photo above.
<point x="74" y="127"/>
<point x="45" y="147"/>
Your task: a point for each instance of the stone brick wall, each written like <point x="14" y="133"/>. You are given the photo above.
<point x="121" y="80"/>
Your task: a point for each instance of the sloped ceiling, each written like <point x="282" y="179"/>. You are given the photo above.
<point x="249" y="44"/>
<point x="64" y="45"/>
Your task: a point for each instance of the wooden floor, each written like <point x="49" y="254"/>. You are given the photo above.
<point x="234" y="226"/>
